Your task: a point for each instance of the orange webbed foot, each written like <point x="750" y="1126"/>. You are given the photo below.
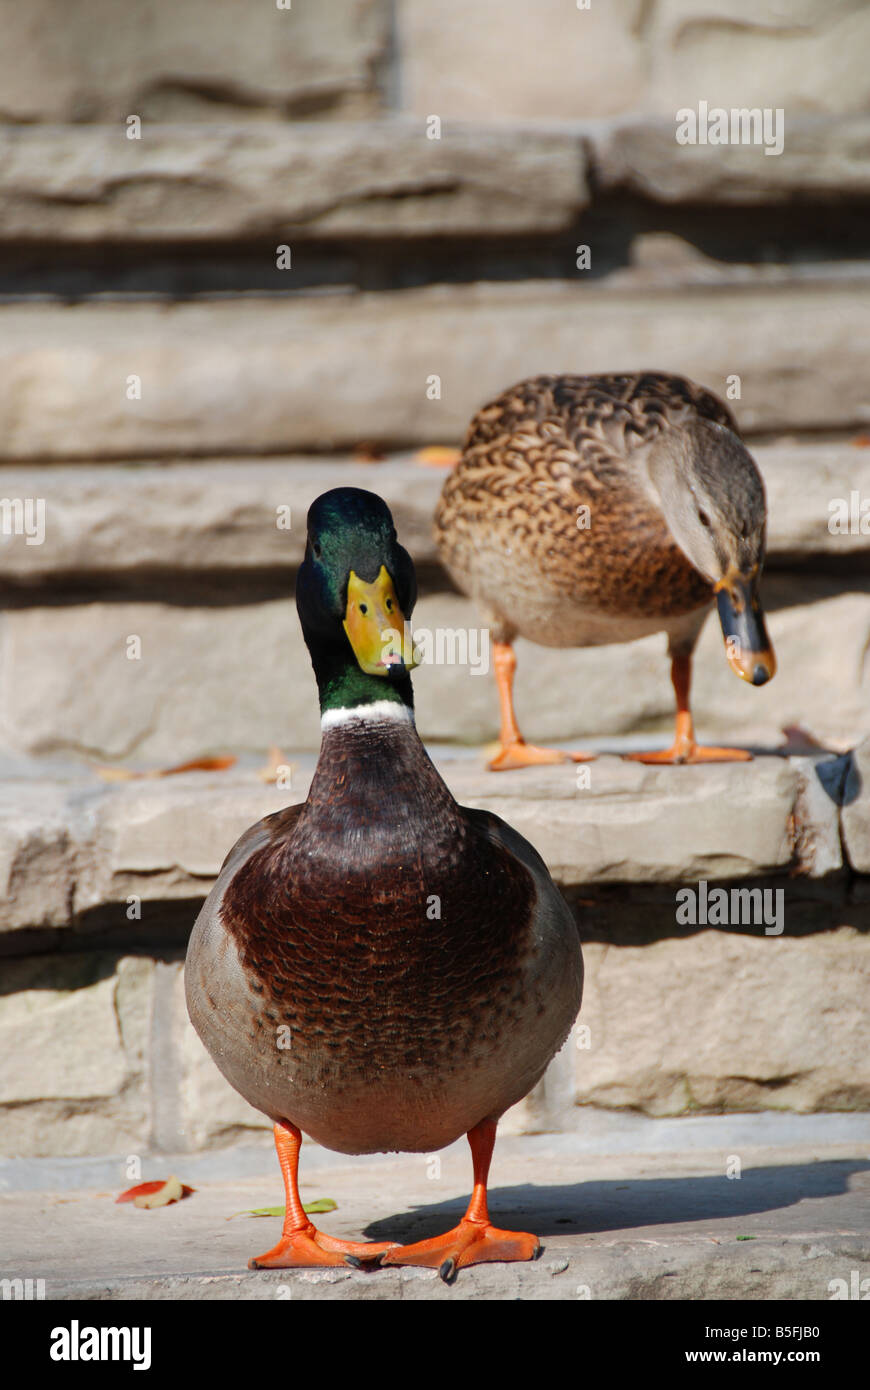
<point x="307" y="1248"/>
<point x="513" y="755"/>
<point x="691" y="753"/>
<point x="469" y="1243"/>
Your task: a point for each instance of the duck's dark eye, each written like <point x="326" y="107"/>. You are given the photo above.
<point x="364" y="608"/>
<point x="389" y="605"/>
<point x="703" y="518"/>
<point x="316" y="549"/>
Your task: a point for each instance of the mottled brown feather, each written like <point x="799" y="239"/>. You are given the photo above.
<point x="506" y="523"/>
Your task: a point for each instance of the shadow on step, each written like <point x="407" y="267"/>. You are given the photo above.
<point x="633" y="1206"/>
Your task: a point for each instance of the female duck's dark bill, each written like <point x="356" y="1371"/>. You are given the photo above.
<point x="747" y="645"/>
<point x="376" y="627"/>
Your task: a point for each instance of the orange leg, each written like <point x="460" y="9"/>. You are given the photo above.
<point x="515" y="752"/>
<point x="474" y="1241"/>
<point x="301" y="1244"/>
<point x="684" y="748"/>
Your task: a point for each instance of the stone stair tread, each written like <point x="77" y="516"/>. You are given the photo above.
<point x="265" y="374"/>
<point x="71" y="843"/>
<point x="613" y="1226"/>
<point x="194" y="181"/>
<point x="222" y="514"/>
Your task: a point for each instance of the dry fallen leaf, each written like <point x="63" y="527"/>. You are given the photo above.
<point x="156" y="1194"/>
<point x="197" y="765"/>
<point x="126" y="774"/>
<point x="368" y="453"/>
<point x="311" y="1208"/>
<point x="861" y="441"/>
<point x="438" y="456"/>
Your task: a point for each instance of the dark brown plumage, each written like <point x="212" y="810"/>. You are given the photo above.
<point x="405" y="924"/>
<point x="400" y="944"/>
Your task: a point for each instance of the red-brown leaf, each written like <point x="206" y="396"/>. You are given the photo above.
<point x="148" y="1189"/>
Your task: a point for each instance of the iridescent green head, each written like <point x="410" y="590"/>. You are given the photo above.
<point x="355" y="594"/>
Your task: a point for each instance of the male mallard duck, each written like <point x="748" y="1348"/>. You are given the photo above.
<point x="380" y="967"/>
<point x="594" y="509"/>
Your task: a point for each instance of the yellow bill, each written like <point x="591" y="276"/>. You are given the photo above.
<point x="376" y="627"/>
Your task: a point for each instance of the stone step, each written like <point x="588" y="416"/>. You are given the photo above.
<point x="247" y="515"/>
<point x="504" y="59"/>
<point x="203" y="182"/>
<point x="614" y="1223"/>
<point x="196" y="62"/>
<point x="248" y="374"/>
<point x="766" y="1006"/>
<point x="823" y="158"/>
<point x="206" y="183"/>
<point x="357" y="57"/>
<point x="74" y="845"/>
<point x="219" y="668"/>
<point x="711" y="1022"/>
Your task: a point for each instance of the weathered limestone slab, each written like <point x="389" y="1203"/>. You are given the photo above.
<point x="248" y="514"/>
<point x="611" y="821"/>
<point x="816" y="825"/>
<point x="191" y="688"/>
<point x="804" y="56"/>
<point x="38" y="846"/>
<point x="253" y="375"/>
<point x="140" y="844"/>
<point x="710" y="1022"/>
<point x="215" y="515"/>
<point x="99" y="1055"/>
<point x="497" y="61"/>
<point x="75" y="1036"/>
<point x="628" y="836"/>
<point x="505" y="59"/>
<point x="762" y="1023"/>
<point x="813" y="488"/>
<point x="820" y="158"/>
<point x="196" y="182"/>
<point x="217" y="679"/>
<point x="200" y="60"/>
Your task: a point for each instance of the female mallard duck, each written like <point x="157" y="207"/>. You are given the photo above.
<point x="380" y="967"/>
<point x="595" y="509"/>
